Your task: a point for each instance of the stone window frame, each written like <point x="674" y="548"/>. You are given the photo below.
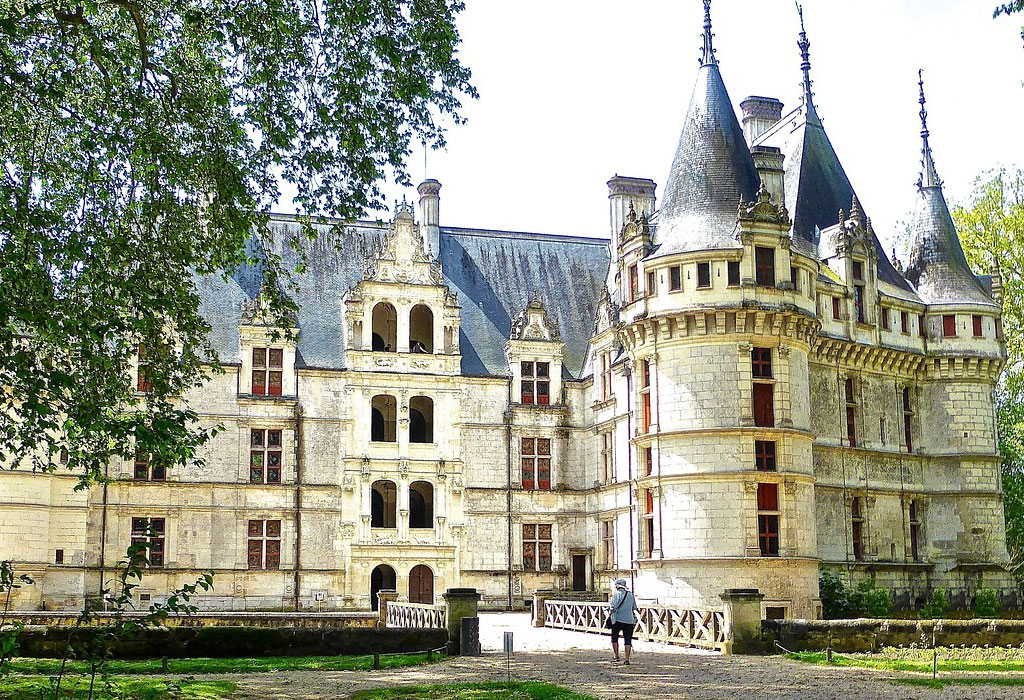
<point x="263" y="545"/>
<point x="647" y="525"/>
<point x="769" y="514"/>
<point x="606" y="375"/>
<point x="766" y="455"/>
<point x="264" y="452"/>
<point x="651" y="285"/>
<point x="733" y="273"/>
<point x="606" y="449"/>
<point x="644" y="396"/>
<point x="530" y="385"/>
<point x="702" y="282"/>
<point x="850" y="404"/>
<point x="764" y="271"/>
<point x="146" y="468"/>
<point x="151" y="531"/>
<point x="675" y="278"/>
<point x="269" y="370"/>
<point x="914" y="530"/>
<point x="858" y="528"/>
<point x="534" y="541"/>
<point x="908" y="416"/>
<point x="531" y="462"/>
<point x="608" y="543"/>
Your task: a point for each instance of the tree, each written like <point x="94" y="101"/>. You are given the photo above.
<point x="141" y="143"/>
<point x="1010" y="8"/>
<point x="991" y="230"/>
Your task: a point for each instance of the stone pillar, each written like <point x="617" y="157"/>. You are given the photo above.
<point x="385" y="596"/>
<point x="743" y="620"/>
<point x="461" y="602"/>
<point x="540" y="614"/>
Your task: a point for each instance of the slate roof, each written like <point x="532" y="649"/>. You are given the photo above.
<point x="494" y="273"/>
<point x="712" y="169"/>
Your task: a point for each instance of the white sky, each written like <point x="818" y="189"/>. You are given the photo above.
<point x="574" y="91"/>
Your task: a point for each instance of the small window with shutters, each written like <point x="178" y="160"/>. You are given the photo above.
<point x="703" y="275"/>
<point x="978" y="329"/>
<point x="921" y="328"/>
<point x="905" y="322"/>
<point x="949" y="326"/>
<point x="734" y="273"/>
<point x="764" y="405"/>
<point x="264" y="548"/>
<point x="650" y="284"/>
<point x="536" y="456"/>
<point x="537" y="547"/>
<point x="851" y="413"/>
<point x="634" y="283"/>
<point x="761" y="363"/>
<point x="885" y="318"/>
<point x="764" y="259"/>
<point x="836" y="309"/>
<point x="764" y="455"/>
<point x="768" y="519"/>
<point x="267" y="371"/>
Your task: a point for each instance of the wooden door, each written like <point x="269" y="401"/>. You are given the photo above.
<point x="421" y="585"/>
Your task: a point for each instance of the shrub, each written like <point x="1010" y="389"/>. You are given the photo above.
<point x="986" y="603"/>
<point x="936" y="607"/>
<point x="875" y="602"/>
<point x="838" y="601"/>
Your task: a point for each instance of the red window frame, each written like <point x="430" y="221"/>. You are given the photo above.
<point x="764" y="456"/>
<point x="764" y="266"/>
<point x="949" y="326"/>
<point x="905" y="322"/>
<point x="535" y="383"/>
<point x="648" y="461"/>
<point x="768" y="519"/>
<point x="265" y="456"/>
<point x="885" y="318"/>
<point x="764" y="405"/>
<point x="836" y="311"/>
<point x="536" y="461"/>
<point x="537" y="547"/>
<point x="152" y="531"/>
<point x="761" y="363"/>
<point x="264" y="544"/>
<point x="979" y="330"/>
<point x="267" y="371"/>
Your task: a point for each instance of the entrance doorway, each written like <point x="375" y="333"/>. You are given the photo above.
<point x="382" y="578"/>
<point x="579" y="572"/>
<point x="421" y="585"/>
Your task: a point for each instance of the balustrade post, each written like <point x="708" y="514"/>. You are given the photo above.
<point x="462" y="602"/>
<point x="742" y="621"/>
<point x="540" y="614"/>
<point x="384" y="597"/>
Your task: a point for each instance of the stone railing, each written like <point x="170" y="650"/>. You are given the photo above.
<point x="308" y="620"/>
<point x="692" y="627"/>
<point x="416" y="615"/>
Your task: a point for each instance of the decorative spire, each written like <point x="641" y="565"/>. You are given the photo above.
<point x="805" y="55"/>
<point x="707" y="56"/>
<point x="929" y="176"/>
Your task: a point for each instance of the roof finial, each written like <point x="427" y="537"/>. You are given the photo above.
<point x="805" y="55"/>
<point x="929" y="176"/>
<point x="707" y="57"/>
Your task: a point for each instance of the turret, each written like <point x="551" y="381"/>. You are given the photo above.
<point x="430" y="217"/>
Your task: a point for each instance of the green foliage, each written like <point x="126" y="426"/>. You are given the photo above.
<point x="918" y="658"/>
<point x="140" y="147"/>
<point x="991" y="228"/>
<point x="474" y="691"/>
<point x="35" y="688"/>
<point x="935" y="607"/>
<point x="840" y="602"/>
<point x="267" y="664"/>
<point x="986" y="603"/>
<point x="10" y="581"/>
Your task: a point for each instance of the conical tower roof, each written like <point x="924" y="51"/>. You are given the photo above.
<point x="712" y="169"/>
<point x="938" y="266"/>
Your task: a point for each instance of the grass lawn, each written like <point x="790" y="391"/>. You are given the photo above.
<point x="944" y="682"/>
<point x="35" y="687"/>
<point x="474" y="691"/>
<point x="44" y="667"/>
<point x="950" y="659"/>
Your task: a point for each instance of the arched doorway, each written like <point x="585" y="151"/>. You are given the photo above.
<point x="421" y="585"/>
<point x="382" y="578"/>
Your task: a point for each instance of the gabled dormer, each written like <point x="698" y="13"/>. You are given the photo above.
<point x="267" y="340"/>
<point x="534" y="352"/>
<point x="402" y="316"/>
<point x="849" y="250"/>
<point x="634" y="246"/>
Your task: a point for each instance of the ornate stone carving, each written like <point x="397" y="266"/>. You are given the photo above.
<point x="764" y="210"/>
<point x="533" y="324"/>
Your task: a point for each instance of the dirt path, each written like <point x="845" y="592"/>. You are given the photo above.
<point x="581" y="662"/>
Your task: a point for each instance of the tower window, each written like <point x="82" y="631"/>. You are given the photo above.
<point x="703" y="275"/>
<point x="921" y="331"/>
<point x="648" y="461"/>
<point x="885" y="318"/>
<point x="836" y="310"/>
<point x="607" y="457"/>
<point x="535" y="383"/>
<point x="734" y="273"/>
<point x="761" y="363"/>
<point x="908" y="414"/>
<point x="764" y="405"/>
<point x="851" y="414"/>
<point x="764" y="259"/>
<point x="764" y="455"/>
<point x="978" y="330"/>
<point x="857" y="522"/>
<point x="647" y="526"/>
<point x="144" y="384"/>
<point x="650" y="284"/>
<point x="949" y="326"/>
<point x="634" y="283"/>
<point x="915" y="531"/>
<point x="606" y="375"/>
<point x="905" y="322"/>
<point x="675" y="278"/>
<point x="768" y="519"/>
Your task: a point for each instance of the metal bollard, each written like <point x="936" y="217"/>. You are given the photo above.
<point x="376" y="660"/>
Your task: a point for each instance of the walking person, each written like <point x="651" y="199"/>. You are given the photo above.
<point x="622" y="608"/>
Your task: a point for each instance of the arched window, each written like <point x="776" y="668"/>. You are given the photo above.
<point x="421" y="419"/>
<point x="383" y="503"/>
<point x="421" y="585"/>
<point x="385" y="328"/>
<point x="382" y="578"/>
<point x="421" y="329"/>
<point x="383" y="410"/>
<point x="421" y="505"/>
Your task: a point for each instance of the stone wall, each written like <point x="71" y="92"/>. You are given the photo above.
<point x="869" y="635"/>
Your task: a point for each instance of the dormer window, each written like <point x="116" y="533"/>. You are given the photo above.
<point x="634" y="283"/>
<point x="267" y="371"/>
<point x="764" y="272"/>
<point x="535" y="383"/>
<point x="858" y="290"/>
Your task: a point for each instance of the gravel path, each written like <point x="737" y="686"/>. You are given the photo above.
<point x="581" y="662"/>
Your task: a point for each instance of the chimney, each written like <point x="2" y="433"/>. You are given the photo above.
<point x="430" y="203"/>
<point x="759" y="115"/>
<point x="623" y="191"/>
<point x="769" y="160"/>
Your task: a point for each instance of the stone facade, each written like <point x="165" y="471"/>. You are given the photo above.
<point x="514" y="412"/>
